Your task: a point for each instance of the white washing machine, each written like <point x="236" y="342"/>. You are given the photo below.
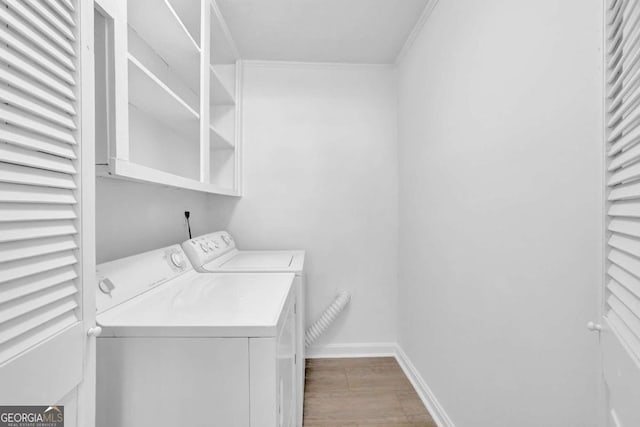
<point x="182" y="348"/>
<point x="217" y="253"/>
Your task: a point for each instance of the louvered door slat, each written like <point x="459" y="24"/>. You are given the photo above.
<point x="630" y="300"/>
<point x="41" y="25"/>
<point x="39" y="180"/>
<point x="624" y="192"/>
<point x="38" y="91"/>
<point x="621" y="106"/>
<point x="68" y="4"/>
<point x="12" y="212"/>
<point x="35" y="230"/>
<point x="61" y="11"/>
<point x="614" y="31"/>
<point x="32" y="176"/>
<point x="629" y="281"/>
<point x="35" y="124"/>
<point x="17" y="99"/>
<point x="24" y="268"/>
<point x="626" y="262"/>
<point x="630" y="173"/>
<point x="21" y="138"/>
<point x="28" y="248"/>
<point x="34" y="159"/>
<point x="48" y="327"/>
<point x="28" y="67"/>
<point x="23" y="46"/>
<point x="36" y="283"/>
<point x="624" y="332"/>
<point x="52" y="18"/>
<point x="16" y="327"/>
<point x="626" y="157"/>
<point x="39" y="41"/>
<point x="31" y="194"/>
<point x="627" y="316"/>
<point x="625" y="209"/>
<point x="625" y="244"/>
<point x="16" y="308"/>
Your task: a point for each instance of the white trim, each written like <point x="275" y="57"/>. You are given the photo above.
<point x="417" y="28"/>
<point x="426" y="395"/>
<point x="86" y="400"/>
<point x="382" y="349"/>
<point x="602" y="409"/>
<point x="321" y="65"/>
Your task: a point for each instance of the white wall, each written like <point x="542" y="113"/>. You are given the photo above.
<point x="320" y="174"/>
<point x="500" y="154"/>
<point x="134" y="217"/>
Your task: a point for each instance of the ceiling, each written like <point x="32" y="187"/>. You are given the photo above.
<point x="348" y="31"/>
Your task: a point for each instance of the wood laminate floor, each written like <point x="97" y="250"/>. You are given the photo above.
<point x="361" y="392"/>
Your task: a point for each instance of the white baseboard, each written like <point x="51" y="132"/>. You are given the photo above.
<point x="383" y="349"/>
<point x="426" y="395"/>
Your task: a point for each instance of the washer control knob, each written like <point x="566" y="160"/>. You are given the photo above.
<point x="177" y="259"/>
<point x="204" y="248"/>
<point x="225" y="239"/>
<point x="106" y="286"/>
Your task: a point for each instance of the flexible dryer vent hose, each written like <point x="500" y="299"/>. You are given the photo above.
<point x="329" y="315"/>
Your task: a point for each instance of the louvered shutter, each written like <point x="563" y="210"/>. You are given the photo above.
<point x="622" y="309"/>
<point x="39" y="182"/>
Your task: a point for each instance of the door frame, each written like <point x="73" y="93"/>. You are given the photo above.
<point x="87" y="255"/>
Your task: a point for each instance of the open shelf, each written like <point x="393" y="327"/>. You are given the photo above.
<point x="158" y="24"/>
<point x="151" y="95"/>
<point x="189" y="13"/>
<point x="222" y="86"/>
<point x="220" y="141"/>
<point x="223" y="49"/>
<point x="161" y="120"/>
<point x="223" y="169"/>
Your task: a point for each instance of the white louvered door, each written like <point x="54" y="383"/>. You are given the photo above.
<point x="44" y="256"/>
<point x="620" y="332"/>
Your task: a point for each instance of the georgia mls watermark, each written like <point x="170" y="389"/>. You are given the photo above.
<point x="31" y="416"/>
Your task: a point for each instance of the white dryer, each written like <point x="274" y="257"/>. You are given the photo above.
<point x="217" y="253"/>
<point x="182" y="348"/>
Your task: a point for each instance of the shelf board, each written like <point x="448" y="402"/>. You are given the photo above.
<point x="219" y="141"/>
<point x="124" y="169"/>
<point x="158" y="24"/>
<point x="149" y="94"/>
<point x="223" y="48"/>
<point x="219" y="90"/>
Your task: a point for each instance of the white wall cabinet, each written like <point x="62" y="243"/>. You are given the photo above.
<point x="168" y="84"/>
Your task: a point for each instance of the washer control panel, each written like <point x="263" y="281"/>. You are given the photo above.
<point x="126" y="278"/>
<point x="206" y="248"/>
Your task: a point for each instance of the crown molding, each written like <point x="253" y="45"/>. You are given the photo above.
<point x="417" y="28"/>
<point x="313" y="65"/>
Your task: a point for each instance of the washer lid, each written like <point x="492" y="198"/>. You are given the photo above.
<point x="203" y="305"/>
<point x="269" y="259"/>
<point x="258" y="261"/>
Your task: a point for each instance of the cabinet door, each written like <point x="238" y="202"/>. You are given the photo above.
<point x="46" y="201"/>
